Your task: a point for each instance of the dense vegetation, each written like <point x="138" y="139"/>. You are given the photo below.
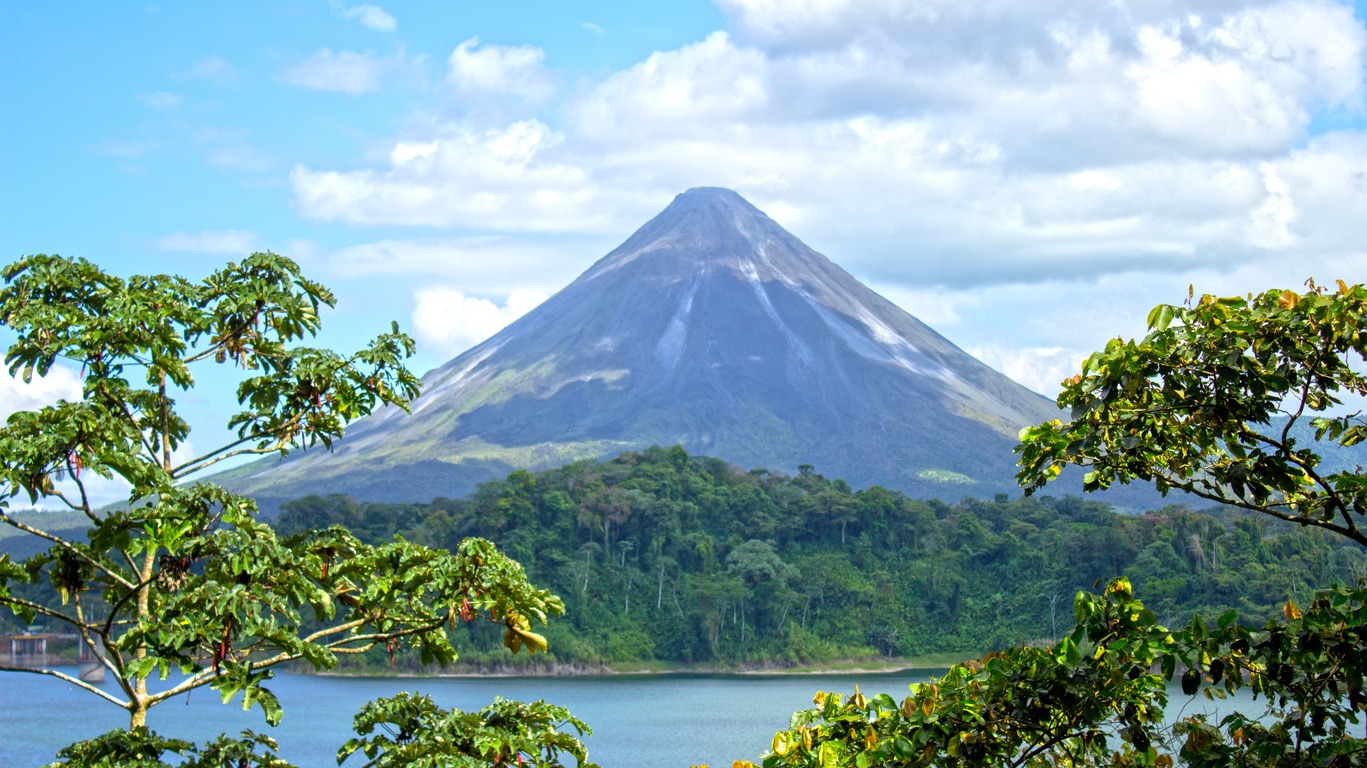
<point x="660" y="555"/>
<point x="184" y="575"/>
<point x="1189" y="406"/>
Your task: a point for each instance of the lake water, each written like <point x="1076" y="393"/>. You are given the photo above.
<point x="644" y="721"/>
<point x="638" y="721"/>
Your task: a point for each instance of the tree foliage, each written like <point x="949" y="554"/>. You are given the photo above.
<point x="1193" y="406"/>
<point x="183" y="577"/>
<point x="1098" y="696"/>
<point x="1209" y="402"/>
<point x="715" y="565"/>
<point x="409" y="730"/>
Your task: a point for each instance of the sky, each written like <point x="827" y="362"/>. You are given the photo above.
<point x="1028" y="177"/>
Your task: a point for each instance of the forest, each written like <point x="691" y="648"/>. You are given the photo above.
<point x="665" y="557"/>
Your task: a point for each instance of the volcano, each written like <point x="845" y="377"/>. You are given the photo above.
<point x="711" y="327"/>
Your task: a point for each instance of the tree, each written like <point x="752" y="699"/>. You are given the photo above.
<point x="1209" y="403"/>
<point x="183" y="575"/>
<point x="1020" y="706"/>
<point x="414" y="732"/>
<point x="1097" y="697"/>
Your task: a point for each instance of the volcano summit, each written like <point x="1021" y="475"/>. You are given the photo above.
<point x="710" y="327"/>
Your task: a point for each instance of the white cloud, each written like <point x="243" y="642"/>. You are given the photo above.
<point x="372" y="17"/>
<point x="60" y="383"/>
<point x="1041" y="369"/>
<point x="233" y="242"/>
<point x="976" y="160"/>
<point x="502" y="178"/>
<point x="699" y="87"/>
<point x="447" y="322"/>
<point x="214" y="69"/>
<point x="346" y="72"/>
<point x="63" y="383"/>
<point x="484" y="264"/>
<point x="499" y="69"/>
<point x="1273" y="221"/>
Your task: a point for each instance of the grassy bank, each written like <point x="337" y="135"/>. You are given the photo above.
<point x="931" y="661"/>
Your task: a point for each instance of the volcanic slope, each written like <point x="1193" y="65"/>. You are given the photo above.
<point x="710" y="327"/>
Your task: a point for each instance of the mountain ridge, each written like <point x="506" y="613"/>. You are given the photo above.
<point x="711" y="327"/>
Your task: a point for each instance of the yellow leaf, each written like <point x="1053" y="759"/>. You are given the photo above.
<point x="780" y="743"/>
<point x="516" y="637"/>
<point x="1288" y="299"/>
<point x="858" y="699"/>
<point x="1291" y="611"/>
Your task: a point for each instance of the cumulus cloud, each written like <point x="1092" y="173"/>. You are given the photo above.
<point x="447" y="322"/>
<point x="344" y="71"/>
<point x="1041" y="369"/>
<point x="711" y="82"/>
<point x="233" y="242"/>
<point x="60" y="383"/>
<point x="506" y="178"/>
<point x="499" y="69"/>
<point x="965" y="156"/>
<point x="372" y="17"/>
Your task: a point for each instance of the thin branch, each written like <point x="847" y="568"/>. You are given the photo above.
<point x="74" y="472"/>
<point x="196" y="680"/>
<point x="11" y="600"/>
<point x="1328" y="489"/>
<point x="63" y="676"/>
<point x="165" y="425"/>
<point x="339" y="645"/>
<point x="142" y="437"/>
<point x="228" y="451"/>
<point x="203" y="462"/>
<point x="1352" y="533"/>
<point x="68" y="546"/>
<point x="322" y="633"/>
<point x="84" y="627"/>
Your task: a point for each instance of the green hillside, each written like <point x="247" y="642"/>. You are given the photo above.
<point x="665" y="557"/>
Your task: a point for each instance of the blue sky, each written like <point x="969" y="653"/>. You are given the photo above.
<point x="1029" y="178"/>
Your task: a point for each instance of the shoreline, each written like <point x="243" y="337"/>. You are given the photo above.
<point x="856" y="667"/>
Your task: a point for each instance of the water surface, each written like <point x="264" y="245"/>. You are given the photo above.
<point x="639" y="721"/>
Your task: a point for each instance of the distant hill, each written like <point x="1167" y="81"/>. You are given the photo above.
<point x="712" y="328"/>
<point x="661" y="556"/>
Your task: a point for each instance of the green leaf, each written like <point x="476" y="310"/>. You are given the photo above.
<point x="1161" y="317"/>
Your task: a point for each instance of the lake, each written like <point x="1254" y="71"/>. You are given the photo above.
<point x="639" y="721"/>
